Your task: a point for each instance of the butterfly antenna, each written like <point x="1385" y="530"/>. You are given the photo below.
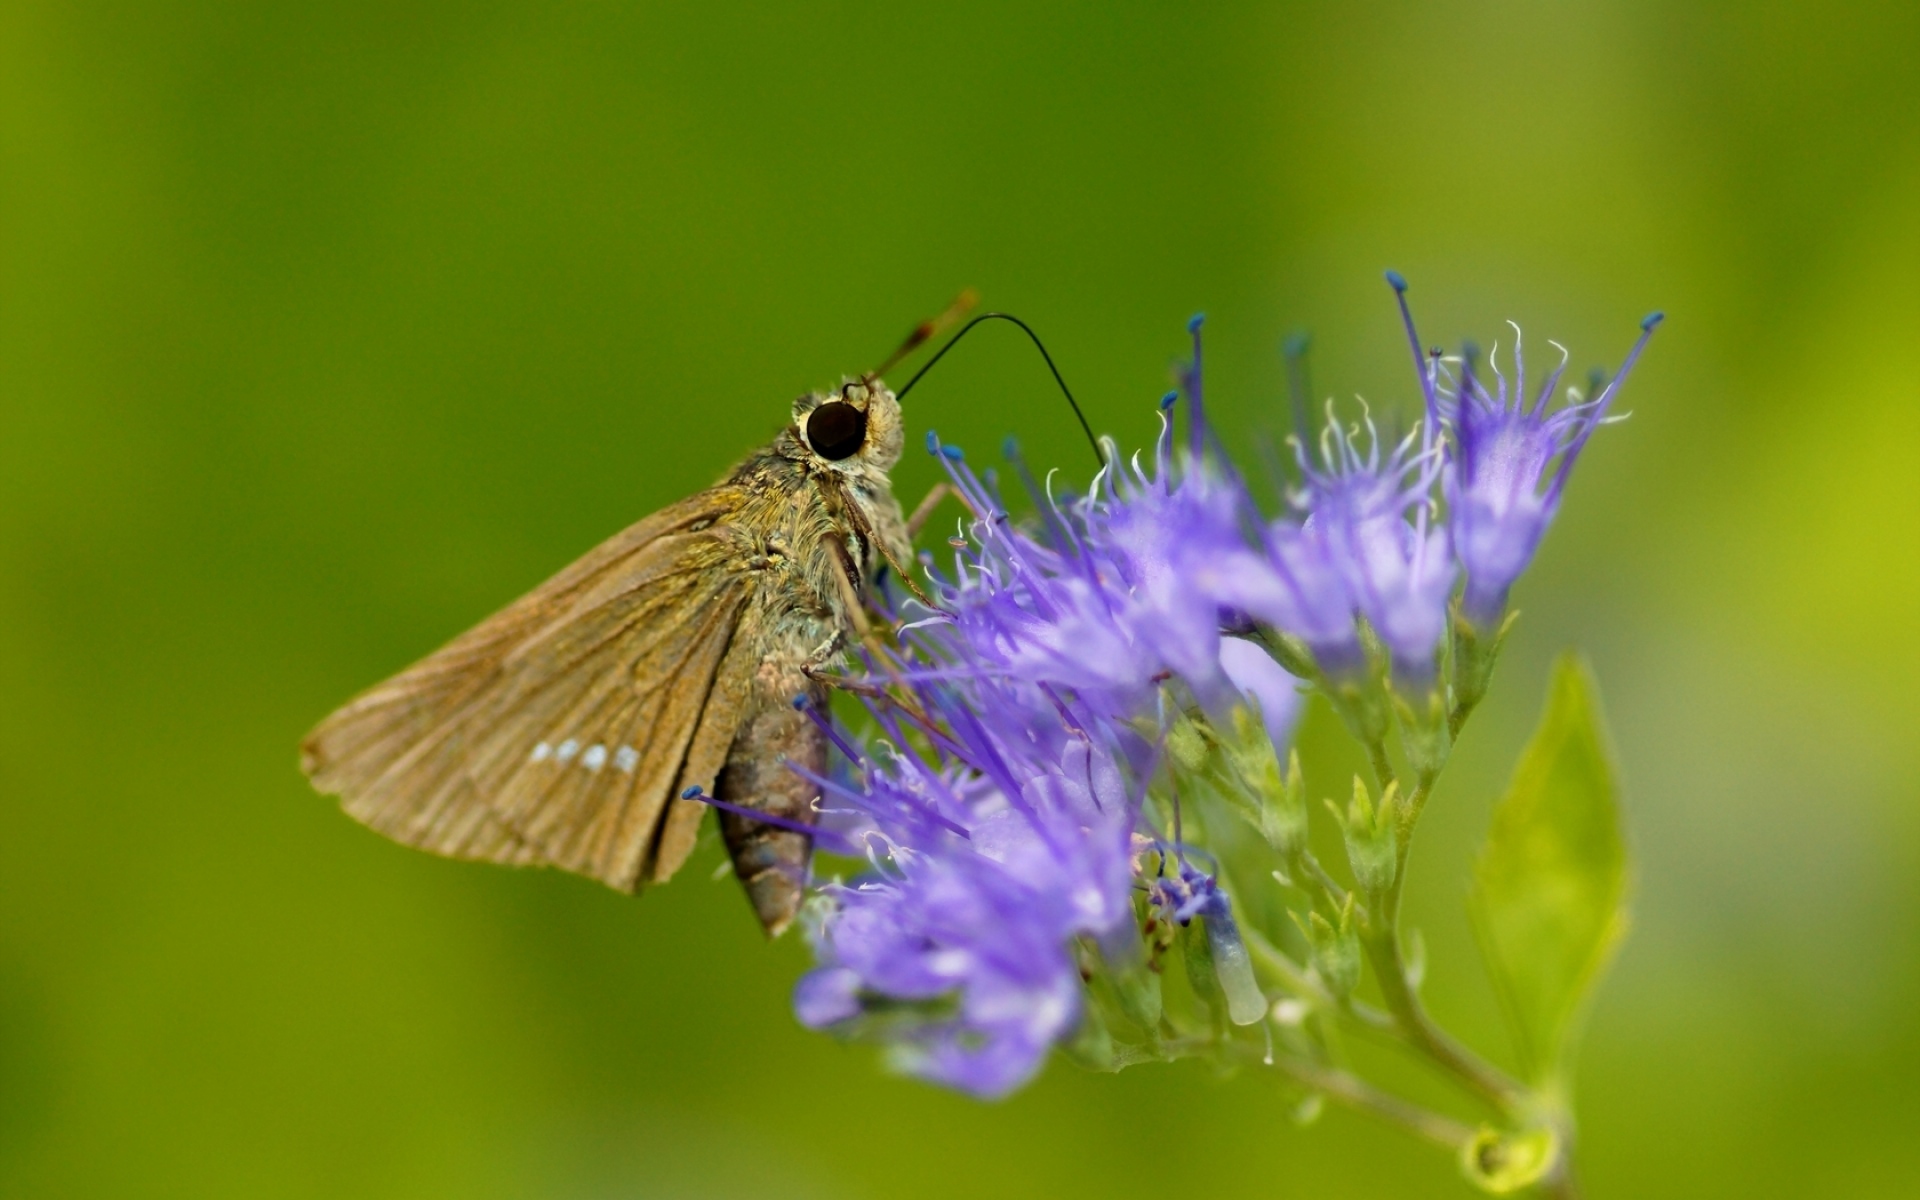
<point x="1098" y="453"/>
<point x="927" y="330"/>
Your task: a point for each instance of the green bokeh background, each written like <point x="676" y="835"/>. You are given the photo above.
<point x="325" y="329"/>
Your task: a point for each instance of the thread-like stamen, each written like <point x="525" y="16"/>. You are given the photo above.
<point x="1299" y="393"/>
<point x="1519" y="370"/>
<point x="821" y="721"/>
<point x="1042" y="501"/>
<point x="1650" y="323"/>
<point x="765" y="818"/>
<point x="1398" y="283"/>
<point x="1469" y="458"/>
<point x="1196" y="413"/>
<point x="1553" y="380"/>
<point x="907" y="802"/>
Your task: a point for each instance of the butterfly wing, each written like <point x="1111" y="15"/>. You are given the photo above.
<point x="563" y="729"/>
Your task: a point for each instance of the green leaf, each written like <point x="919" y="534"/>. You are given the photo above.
<point x="1549" y="890"/>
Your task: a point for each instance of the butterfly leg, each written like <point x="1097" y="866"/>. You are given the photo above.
<point x="923" y="512"/>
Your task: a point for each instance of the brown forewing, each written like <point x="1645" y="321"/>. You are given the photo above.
<point x="563" y="729"/>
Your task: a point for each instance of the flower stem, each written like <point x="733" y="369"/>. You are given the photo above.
<point x="1458" y="717"/>
<point x="1410" y="809"/>
<point x="1382" y="943"/>
<point x="1336" y="895"/>
<point x="1410" y="1015"/>
<point x="1381" y="939"/>
<point x="1298" y="981"/>
<point x="1382" y="763"/>
<point x="1357" y="1094"/>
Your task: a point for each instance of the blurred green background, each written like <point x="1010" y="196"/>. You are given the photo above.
<point x="325" y="329"/>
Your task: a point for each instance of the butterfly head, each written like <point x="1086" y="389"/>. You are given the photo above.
<point x="855" y="426"/>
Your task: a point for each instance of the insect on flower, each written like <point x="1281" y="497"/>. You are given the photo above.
<point x="588" y="725"/>
<point x="1087" y="683"/>
<point x="1080" y="777"/>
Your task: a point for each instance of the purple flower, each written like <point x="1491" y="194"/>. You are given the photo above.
<point x="1167" y="537"/>
<point x="1497" y="508"/>
<point x="1374" y="514"/>
<point x="1120" y="599"/>
<point x="988" y="862"/>
<point x="1293" y="582"/>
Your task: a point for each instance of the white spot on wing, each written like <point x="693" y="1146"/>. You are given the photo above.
<point x="567" y="750"/>
<point x="541" y="753"/>
<point x="595" y="757"/>
<point x="626" y="758"/>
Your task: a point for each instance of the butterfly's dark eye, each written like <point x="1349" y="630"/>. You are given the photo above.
<point x="836" y="430"/>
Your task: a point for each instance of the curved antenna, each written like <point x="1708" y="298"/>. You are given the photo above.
<point x="1038" y="345"/>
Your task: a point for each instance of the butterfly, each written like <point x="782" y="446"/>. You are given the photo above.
<point x="574" y="728"/>
<point x="677" y="666"/>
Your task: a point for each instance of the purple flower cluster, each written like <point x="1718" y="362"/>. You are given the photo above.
<point x="989" y="859"/>
<point x="1109" y="604"/>
<point x="1002" y="803"/>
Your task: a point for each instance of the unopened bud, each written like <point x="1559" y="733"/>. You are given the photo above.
<point x="1283" y="812"/>
<point x="1368" y="829"/>
<point x="1336" y="949"/>
<point x="1424" y="731"/>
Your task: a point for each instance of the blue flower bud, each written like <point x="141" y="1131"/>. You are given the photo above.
<point x="1246" y="1003"/>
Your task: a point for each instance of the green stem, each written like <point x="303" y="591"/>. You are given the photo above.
<point x="1382" y="763"/>
<point x="1459" y="715"/>
<point x="1336" y="895"/>
<point x="1382" y="941"/>
<point x="1296" y="980"/>
<point x="1406" y="1020"/>
<point x="1361" y="1096"/>
<point x="1411" y="807"/>
<point x="1403" y="1004"/>
<point x="1403" y="1019"/>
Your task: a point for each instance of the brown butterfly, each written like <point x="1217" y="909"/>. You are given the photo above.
<point x="569" y="729"/>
